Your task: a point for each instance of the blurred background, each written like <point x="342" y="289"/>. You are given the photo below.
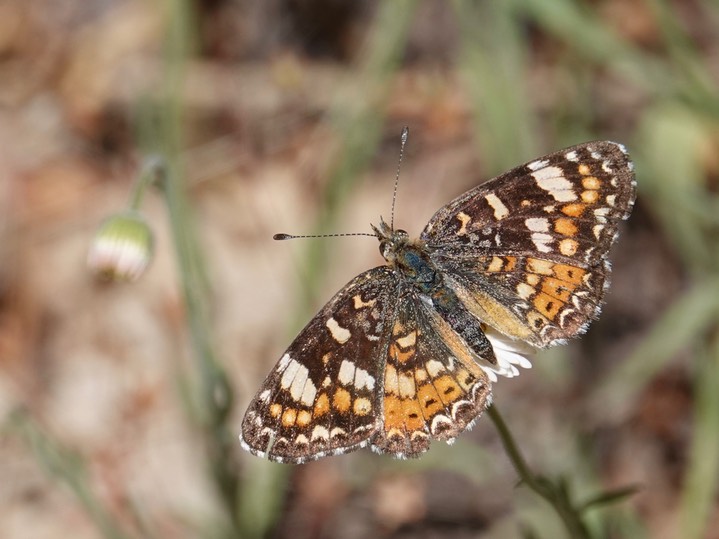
<point x="120" y="405"/>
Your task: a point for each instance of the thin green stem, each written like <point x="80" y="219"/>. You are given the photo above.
<point x="216" y="395"/>
<point x="150" y="172"/>
<point x="561" y="504"/>
<point x="216" y="391"/>
<point x="701" y="484"/>
<point x="67" y="466"/>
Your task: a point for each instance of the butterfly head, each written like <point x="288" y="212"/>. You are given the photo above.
<point x="390" y="241"/>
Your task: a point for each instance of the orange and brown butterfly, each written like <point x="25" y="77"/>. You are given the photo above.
<point x="406" y="352"/>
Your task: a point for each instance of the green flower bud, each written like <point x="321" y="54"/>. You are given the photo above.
<point x="122" y="248"/>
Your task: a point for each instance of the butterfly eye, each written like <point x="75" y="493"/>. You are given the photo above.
<point x="401" y="232"/>
<point x="383" y="245"/>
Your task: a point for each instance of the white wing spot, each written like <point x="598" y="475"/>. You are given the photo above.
<point x="347" y="372"/>
<point x="320" y="432"/>
<point x="525" y="291"/>
<point x="571" y="156"/>
<point x="536" y="165"/>
<point x="339" y="334"/>
<point x="500" y="210"/>
<point x="541" y="241"/>
<point x="601" y="212"/>
<point x="289" y="373"/>
<point x="434" y="367"/>
<point x="303" y="389"/>
<point x="552" y="180"/>
<point x="284" y="361"/>
<point x="406" y="386"/>
<point x="390" y="379"/>
<point x="363" y="379"/>
<point x="309" y="393"/>
<point x="296" y="380"/>
<point x="537" y="224"/>
<point x="301" y="440"/>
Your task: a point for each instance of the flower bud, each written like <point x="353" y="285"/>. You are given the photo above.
<point x="122" y="248"/>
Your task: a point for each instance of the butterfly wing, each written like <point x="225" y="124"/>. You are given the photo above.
<point x="526" y="252"/>
<point x="324" y="396"/>
<point x="433" y="388"/>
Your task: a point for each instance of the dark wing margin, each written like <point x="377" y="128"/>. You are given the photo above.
<point x="323" y="397"/>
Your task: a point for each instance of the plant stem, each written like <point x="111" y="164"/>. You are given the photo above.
<point x="152" y="168"/>
<point x="216" y="395"/>
<point x="567" y="513"/>
<point x="68" y="467"/>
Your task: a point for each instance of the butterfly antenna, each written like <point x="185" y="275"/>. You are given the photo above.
<point x="404" y="136"/>
<point x="280" y="237"/>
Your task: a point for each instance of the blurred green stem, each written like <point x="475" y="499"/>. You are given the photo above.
<point x="702" y="476"/>
<point x="68" y="467"/>
<point x="567" y="513"/>
<point x="152" y="167"/>
<point x="216" y="394"/>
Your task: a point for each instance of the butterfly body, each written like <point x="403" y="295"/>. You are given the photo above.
<point x="417" y="271"/>
<point x="406" y="353"/>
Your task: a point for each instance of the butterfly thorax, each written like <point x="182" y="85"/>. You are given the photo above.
<point x="409" y="257"/>
<point x="411" y="260"/>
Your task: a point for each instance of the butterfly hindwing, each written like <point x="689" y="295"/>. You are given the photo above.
<point x="323" y="396"/>
<point x="433" y="389"/>
<point x="527" y="251"/>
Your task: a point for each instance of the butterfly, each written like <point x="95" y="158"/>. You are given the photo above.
<point x="406" y="353"/>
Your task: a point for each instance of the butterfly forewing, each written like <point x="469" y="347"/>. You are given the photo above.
<point x="527" y="250"/>
<point x="579" y="187"/>
<point x="323" y="396"/>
